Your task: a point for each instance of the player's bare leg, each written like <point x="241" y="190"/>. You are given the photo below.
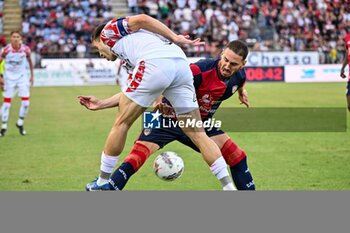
<point x="348" y="99"/>
<point x="209" y="150"/>
<point x="128" y="113"/>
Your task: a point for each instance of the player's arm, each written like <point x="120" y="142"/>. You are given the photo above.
<point x="93" y="103"/>
<point x="243" y="96"/>
<point x="148" y="23"/>
<point x="345" y="62"/>
<point x="2" y="55"/>
<point x="31" y="67"/>
<point x="163" y="107"/>
<point x="157" y="102"/>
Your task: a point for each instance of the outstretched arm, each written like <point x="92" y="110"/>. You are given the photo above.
<point x="31" y="68"/>
<point x="93" y="103"/>
<point x="148" y="23"/>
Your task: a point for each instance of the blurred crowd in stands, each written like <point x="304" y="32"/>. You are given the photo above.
<point x="1" y="16"/>
<point x="266" y="25"/>
<point x="62" y="28"/>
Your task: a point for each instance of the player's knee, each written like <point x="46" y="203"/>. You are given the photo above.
<point x="122" y="125"/>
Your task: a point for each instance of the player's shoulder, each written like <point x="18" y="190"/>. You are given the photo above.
<point x="6" y="49"/>
<point x="25" y="47"/>
<point x="114" y="30"/>
<point x="206" y="64"/>
<point x="240" y="74"/>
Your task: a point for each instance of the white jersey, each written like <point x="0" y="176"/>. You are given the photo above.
<point x="143" y="45"/>
<point x="158" y="66"/>
<point x="15" y="61"/>
<point x="137" y="46"/>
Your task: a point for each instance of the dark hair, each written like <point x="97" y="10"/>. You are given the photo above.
<point x="14" y="32"/>
<point x="239" y="47"/>
<point x="97" y="32"/>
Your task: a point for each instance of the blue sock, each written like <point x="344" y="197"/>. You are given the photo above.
<point x="241" y="176"/>
<point x="121" y="176"/>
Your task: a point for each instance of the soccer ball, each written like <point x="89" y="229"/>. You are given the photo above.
<point x="168" y="166"/>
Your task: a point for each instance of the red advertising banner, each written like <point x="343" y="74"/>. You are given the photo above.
<point x="265" y="73"/>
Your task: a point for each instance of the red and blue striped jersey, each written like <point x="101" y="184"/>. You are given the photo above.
<point x="211" y="88"/>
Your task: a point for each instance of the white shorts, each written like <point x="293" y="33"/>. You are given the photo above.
<point x="22" y="83"/>
<point x="171" y="77"/>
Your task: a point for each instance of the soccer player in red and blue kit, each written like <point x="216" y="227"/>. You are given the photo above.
<point x="215" y="80"/>
<point x="345" y="63"/>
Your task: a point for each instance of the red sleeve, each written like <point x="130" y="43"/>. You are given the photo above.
<point x="115" y="30"/>
<point x="346" y="41"/>
<point x="195" y="69"/>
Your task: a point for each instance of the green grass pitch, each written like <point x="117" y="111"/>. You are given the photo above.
<point x="62" y="149"/>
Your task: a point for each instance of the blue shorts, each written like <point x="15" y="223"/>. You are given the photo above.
<point x="163" y="136"/>
<point x="348" y="89"/>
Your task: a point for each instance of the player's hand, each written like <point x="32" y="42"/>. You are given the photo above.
<point x="185" y="40"/>
<point x="342" y="73"/>
<point x="165" y="109"/>
<point x="243" y="98"/>
<point x="90" y="102"/>
<point x="31" y="80"/>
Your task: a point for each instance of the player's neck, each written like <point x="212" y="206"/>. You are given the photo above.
<point x="16" y="47"/>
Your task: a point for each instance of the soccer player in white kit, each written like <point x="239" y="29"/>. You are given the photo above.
<point x="15" y="76"/>
<point x="158" y="67"/>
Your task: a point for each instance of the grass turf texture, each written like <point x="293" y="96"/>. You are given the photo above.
<point x="62" y="149"/>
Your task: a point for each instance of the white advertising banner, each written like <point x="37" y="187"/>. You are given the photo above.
<point x="282" y="58"/>
<point x="314" y="73"/>
<point x="78" y="63"/>
<point x="43" y="77"/>
<point x="76" y="72"/>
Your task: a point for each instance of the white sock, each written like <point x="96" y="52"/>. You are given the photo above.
<point x="20" y="122"/>
<point x="5" y="111"/>
<point x="23" y="109"/>
<point x="108" y="162"/>
<point x="229" y="187"/>
<point x="219" y="169"/>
